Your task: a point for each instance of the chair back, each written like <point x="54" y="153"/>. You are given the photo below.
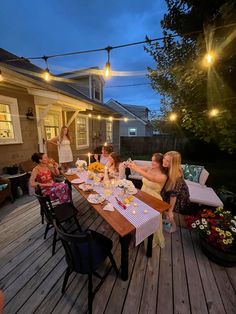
<point x="78" y="249"/>
<point x="46" y="207"/>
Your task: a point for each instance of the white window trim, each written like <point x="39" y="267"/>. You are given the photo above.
<point x="135" y="132"/>
<point x="111" y="131"/>
<point x="87" y="137"/>
<point x="12" y="102"/>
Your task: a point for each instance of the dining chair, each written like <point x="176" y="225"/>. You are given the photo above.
<point x="85" y="253"/>
<point x="62" y="213"/>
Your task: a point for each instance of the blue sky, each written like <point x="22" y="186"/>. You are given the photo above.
<point x="34" y="28"/>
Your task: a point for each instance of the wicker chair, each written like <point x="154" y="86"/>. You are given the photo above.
<point x="6" y="193"/>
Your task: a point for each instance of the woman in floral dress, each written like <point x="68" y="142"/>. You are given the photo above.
<point x="175" y="191"/>
<point x="43" y="176"/>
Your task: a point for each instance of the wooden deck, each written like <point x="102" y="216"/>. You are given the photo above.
<point x="177" y="279"/>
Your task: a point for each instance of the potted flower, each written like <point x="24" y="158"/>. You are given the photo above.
<point x="81" y="165"/>
<point x="217" y="231"/>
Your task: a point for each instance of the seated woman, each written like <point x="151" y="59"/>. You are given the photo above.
<point x="175" y="191"/>
<point x="106" y="150"/>
<point x="42" y="176"/>
<point x="116" y="168"/>
<point x="154" y="179"/>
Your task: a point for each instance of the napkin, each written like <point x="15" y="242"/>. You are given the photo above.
<point x="109" y="207"/>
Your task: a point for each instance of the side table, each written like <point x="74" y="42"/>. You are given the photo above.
<point x="19" y="179"/>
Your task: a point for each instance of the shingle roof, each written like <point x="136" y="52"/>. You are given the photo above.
<point x="24" y="67"/>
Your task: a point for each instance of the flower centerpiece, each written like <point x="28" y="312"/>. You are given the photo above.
<point x="126" y="185"/>
<point x="217" y="230"/>
<point x="96" y="167"/>
<point x="81" y="164"/>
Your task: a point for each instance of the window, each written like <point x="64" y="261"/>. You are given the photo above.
<point x="96" y="90"/>
<point x="109" y="133"/>
<point x="51" y="125"/>
<point x="82" y="132"/>
<point x="132" y="132"/>
<point x="10" y="131"/>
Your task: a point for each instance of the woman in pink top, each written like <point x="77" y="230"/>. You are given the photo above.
<point x="43" y="176"/>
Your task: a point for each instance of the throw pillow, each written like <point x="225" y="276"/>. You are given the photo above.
<point x="192" y="172"/>
<point x="3" y="186"/>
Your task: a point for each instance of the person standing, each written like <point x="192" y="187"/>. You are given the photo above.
<point x="63" y="142"/>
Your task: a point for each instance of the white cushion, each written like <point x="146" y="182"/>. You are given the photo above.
<point x="204" y="195"/>
<point x="203" y="176"/>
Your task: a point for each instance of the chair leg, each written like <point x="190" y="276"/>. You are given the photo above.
<point x="77" y="224"/>
<point x="54" y="242"/>
<point x="90" y="294"/>
<point x="46" y="230"/>
<point x="67" y="274"/>
<point x="113" y="263"/>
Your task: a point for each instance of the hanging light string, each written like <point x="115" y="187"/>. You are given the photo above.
<point x="109" y="48"/>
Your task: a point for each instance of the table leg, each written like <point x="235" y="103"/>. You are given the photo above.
<point x="124" y="242"/>
<point x="149" y="246"/>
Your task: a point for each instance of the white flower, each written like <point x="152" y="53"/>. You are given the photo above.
<point x="197" y="222"/>
<point x="233" y="222"/>
<point x="233" y="229"/>
<point x="81" y="163"/>
<point x="201" y="227"/>
<point x="234" y="217"/>
<point x="208" y="232"/>
<point x="204" y="222"/>
<point x="193" y="225"/>
<point x="125" y="184"/>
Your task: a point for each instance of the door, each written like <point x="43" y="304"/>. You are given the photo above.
<point x="48" y="129"/>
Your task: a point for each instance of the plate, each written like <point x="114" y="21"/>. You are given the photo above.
<point x="134" y="191"/>
<point x="77" y="181"/>
<point x="70" y="173"/>
<point x="86" y="187"/>
<point x="95" y="199"/>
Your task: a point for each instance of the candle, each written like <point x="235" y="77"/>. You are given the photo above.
<point x="105" y="144"/>
<point x="145" y="211"/>
<point x="134" y="212"/>
<point x="89" y="156"/>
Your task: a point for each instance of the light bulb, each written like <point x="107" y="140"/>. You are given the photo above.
<point x="107" y="70"/>
<point x="47" y="75"/>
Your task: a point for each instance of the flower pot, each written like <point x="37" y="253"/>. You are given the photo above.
<point x="226" y="258"/>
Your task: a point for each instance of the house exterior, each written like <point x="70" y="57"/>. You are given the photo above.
<point x="137" y="123"/>
<point x="33" y="111"/>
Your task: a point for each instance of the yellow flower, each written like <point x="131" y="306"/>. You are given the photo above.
<point x="228" y="233"/>
<point x="225" y="241"/>
<point x="218" y="229"/>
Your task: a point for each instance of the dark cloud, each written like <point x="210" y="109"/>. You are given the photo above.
<point x="29" y="28"/>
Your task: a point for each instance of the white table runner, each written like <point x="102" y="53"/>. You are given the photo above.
<point x="146" y="220"/>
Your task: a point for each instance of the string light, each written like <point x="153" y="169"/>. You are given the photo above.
<point x="1" y="76"/>
<point x="46" y="74"/>
<point x="214" y="112"/>
<point x="99" y="117"/>
<point x="89" y="115"/>
<point x="209" y="58"/>
<point x="107" y="69"/>
<point x="110" y="118"/>
<point x="126" y="119"/>
<point x="173" y="117"/>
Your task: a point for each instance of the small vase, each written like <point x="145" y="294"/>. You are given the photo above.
<point x="226" y="258"/>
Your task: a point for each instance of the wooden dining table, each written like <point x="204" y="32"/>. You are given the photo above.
<point x="121" y="225"/>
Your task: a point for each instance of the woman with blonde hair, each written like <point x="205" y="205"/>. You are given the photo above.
<point x="175" y="191"/>
<point x="63" y="142"/>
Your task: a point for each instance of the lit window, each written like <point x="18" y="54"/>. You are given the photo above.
<point x="109" y="133"/>
<point x="82" y="132"/>
<point x="132" y="132"/>
<point x="10" y="131"/>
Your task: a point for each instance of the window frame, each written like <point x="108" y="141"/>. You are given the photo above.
<point x="14" y="112"/>
<point x="136" y="131"/>
<point x="109" y="140"/>
<point x="87" y="133"/>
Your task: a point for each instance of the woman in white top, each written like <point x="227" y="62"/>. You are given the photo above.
<point x="116" y="168"/>
<point x="64" y="149"/>
<point x="106" y="150"/>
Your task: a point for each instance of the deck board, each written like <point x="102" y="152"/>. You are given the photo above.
<point x="177" y="279"/>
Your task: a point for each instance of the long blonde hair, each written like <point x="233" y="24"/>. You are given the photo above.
<point x="174" y="171"/>
<point x="62" y="133"/>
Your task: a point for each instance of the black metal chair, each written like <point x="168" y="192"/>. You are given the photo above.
<point x="61" y="213"/>
<point x="85" y="252"/>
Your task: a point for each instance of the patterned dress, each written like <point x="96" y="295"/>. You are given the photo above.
<point x="181" y="193"/>
<point x="58" y="191"/>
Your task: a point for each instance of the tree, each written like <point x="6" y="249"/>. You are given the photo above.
<point x="190" y="29"/>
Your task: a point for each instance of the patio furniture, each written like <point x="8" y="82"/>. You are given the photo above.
<point x="18" y="183"/>
<point x="61" y="213"/>
<point x="199" y="192"/>
<point x="5" y="189"/>
<point x="85" y="252"/>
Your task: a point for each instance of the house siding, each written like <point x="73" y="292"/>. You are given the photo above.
<point x="14" y="153"/>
